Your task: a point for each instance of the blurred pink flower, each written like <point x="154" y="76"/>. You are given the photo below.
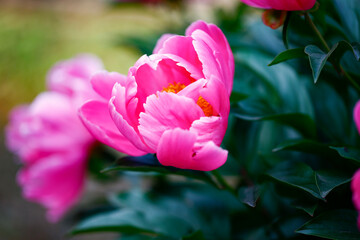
<point x="174" y="103"/>
<point x="287" y="5"/>
<point x="355" y="187"/>
<point x="50" y="139"/>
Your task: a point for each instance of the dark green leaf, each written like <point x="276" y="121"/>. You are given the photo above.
<point x="149" y="163"/>
<point x="306" y="146"/>
<point x="236" y="97"/>
<point x="298" y="175"/>
<point x="287" y="55"/>
<point x="351" y="153"/>
<point x="308" y="207"/>
<point x="133" y="221"/>
<point x="255" y="111"/>
<point x="336" y="224"/>
<point x="317" y="60"/>
<point x="249" y="195"/>
<point x="317" y="183"/>
<point x="328" y="180"/>
<point x="195" y="236"/>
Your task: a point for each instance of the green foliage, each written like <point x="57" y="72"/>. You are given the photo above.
<point x="293" y="146"/>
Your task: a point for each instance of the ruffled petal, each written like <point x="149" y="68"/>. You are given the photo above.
<point x="126" y="129"/>
<point x="176" y="149"/>
<point x="160" y="42"/>
<point x="181" y="50"/>
<point x="208" y="129"/>
<point x="166" y="111"/>
<point x="56" y="182"/>
<point x="103" y="82"/>
<point x="213" y="51"/>
<point x="209" y="157"/>
<point x="155" y="73"/>
<point x="357" y="116"/>
<point x="287" y="5"/>
<point x="96" y="117"/>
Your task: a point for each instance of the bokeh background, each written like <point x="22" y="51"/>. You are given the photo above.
<point x="36" y="34"/>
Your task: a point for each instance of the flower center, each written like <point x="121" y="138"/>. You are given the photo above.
<point x="201" y="102"/>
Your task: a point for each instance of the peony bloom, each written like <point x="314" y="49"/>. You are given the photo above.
<point x="174" y="103"/>
<point x="50" y="139"/>
<point x="286" y="5"/>
<point x="355" y="187"/>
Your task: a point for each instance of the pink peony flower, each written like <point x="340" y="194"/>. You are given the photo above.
<point x="50" y="139"/>
<point x="174" y="103"/>
<point x="355" y="187"/>
<point x="287" y="5"/>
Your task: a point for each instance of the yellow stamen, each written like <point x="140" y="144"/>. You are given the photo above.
<point x="174" y="88"/>
<point x="205" y="105"/>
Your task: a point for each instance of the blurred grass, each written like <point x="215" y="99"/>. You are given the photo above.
<point x="32" y="40"/>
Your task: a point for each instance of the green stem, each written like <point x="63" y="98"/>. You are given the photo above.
<point x="223" y="183"/>
<point x="339" y="68"/>
<point x="316" y="30"/>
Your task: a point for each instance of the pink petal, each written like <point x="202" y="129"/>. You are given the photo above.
<point x="155" y="73"/>
<point x="209" y="129"/>
<point x="355" y="187"/>
<point x="357" y="116"/>
<point x="216" y="94"/>
<point x="55" y="182"/>
<point x="287" y="5"/>
<point x="160" y="42"/>
<point x="72" y="76"/>
<point x="96" y="117"/>
<point x="193" y="90"/>
<point x="103" y="82"/>
<point x="166" y="111"/>
<point x="176" y="149"/>
<point x="181" y="50"/>
<point x="209" y="157"/>
<point x="213" y="51"/>
<point x="126" y="129"/>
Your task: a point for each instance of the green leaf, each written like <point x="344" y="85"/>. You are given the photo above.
<point x="149" y="163"/>
<point x="195" y="236"/>
<point x="249" y="195"/>
<point x="317" y="60"/>
<point x="132" y="221"/>
<point x="298" y="175"/>
<point x="351" y="153"/>
<point x="251" y="110"/>
<point x="317" y="183"/>
<point x="306" y="146"/>
<point x="287" y="55"/>
<point x="336" y="224"/>
<point x="328" y="180"/>
<point x="308" y="207"/>
<point x="236" y="96"/>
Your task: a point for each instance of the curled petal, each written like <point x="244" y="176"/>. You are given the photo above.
<point x="357" y="116"/>
<point x="56" y="182"/>
<point x="213" y="51"/>
<point x="176" y="149"/>
<point x="103" y="82"/>
<point x="166" y="111"/>
<point x="96" y="117"/>
<point x="160" y="42"/>
<point x="287" y="5"/>
<point x="126" y="129"/>
<point x="209" y="129"/>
